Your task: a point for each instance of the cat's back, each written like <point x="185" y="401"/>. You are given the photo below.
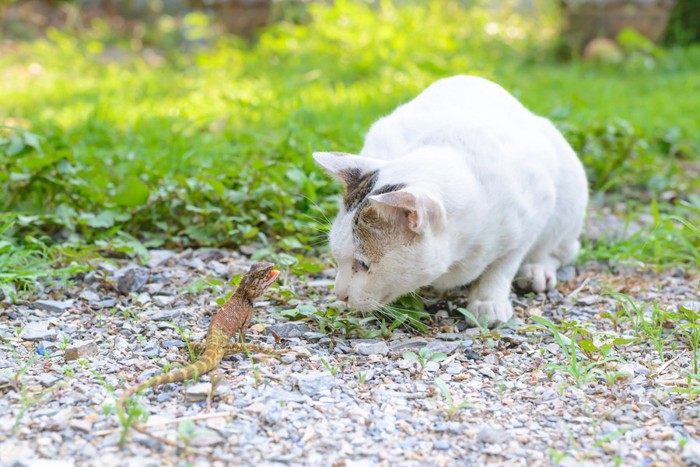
<point x="466" y="95"/>
<point x="462" y="104"/>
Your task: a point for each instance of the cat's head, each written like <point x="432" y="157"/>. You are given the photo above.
<point x="386" y="236"/>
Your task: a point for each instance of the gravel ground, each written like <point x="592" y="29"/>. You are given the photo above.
<point x="331" y="400"/>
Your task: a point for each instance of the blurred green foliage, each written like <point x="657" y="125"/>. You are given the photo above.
<point x="184" y="137"/>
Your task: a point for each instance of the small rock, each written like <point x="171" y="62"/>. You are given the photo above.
<point x="236" y="269"/>
<point x="567" y="273"/>
<point x="313" y="336"/>
<point x="143" y="298"/>
<point x="444" y="347"/>
<point x="159" y="257"/>
<point x="163" y="300"/>
<point x="81" y="424"/>
<point x="491" y="435"/>
<point x="173" y="343"/>
<point x="89" y="296"/>
<point x="271" y="416"/>
<point x="107" y="267"/>
<point x="107" y="303"/>
<point x="205" y="438"/>
<point x="37" y="331"/>
<point x="163" y="315"/>
<point x="491" y="359"/>
<point x="80" y="350"/>
<point x="587" y="300"/>
<point x="691" y="452"/>
<point x="486" y="371"/>
<point x="431" y="367"/>
<point x="47" y="379"/>
<point x="625" y="371"/>
<point x="209" y="254"/>
<point x="90" y="277"/>
<point x="201" y="391"/>
<point x="154" y="287"/>
<point x="150" y="350"/>
<point x="132" y="280"/>
<point x="313" y="383"/>
<point x="379" y="348"/>
<point x="442" y="445"/>
<point x="53" y="306"/>
<point x="287" y="330"/>
<point x="218" y="268"/>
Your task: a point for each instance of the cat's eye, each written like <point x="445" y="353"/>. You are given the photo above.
<point x="359" y="265"/>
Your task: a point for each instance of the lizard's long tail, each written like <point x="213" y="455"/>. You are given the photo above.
<point x="214" y="351"/>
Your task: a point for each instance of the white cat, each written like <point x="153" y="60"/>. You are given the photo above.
<point x="461" y="185"/>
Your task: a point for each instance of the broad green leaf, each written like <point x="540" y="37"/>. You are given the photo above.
<point x="132" y="193"/>
<point x="588" y="346"/>
<point x="103" y="220"/>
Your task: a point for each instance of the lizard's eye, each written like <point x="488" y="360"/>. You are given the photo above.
<point x="359" y="265"/>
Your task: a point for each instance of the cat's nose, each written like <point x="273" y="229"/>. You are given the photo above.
<point x="343" y="297"/>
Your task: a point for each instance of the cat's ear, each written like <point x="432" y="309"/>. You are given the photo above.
<point x="414" y="206"/>
<point x="348" y="168"/>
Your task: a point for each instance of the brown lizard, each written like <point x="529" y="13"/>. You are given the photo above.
<point x="233" y="316"/>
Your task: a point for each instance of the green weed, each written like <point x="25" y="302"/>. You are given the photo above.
<point x="424" y="356"/>
<point x="453" y="406"/>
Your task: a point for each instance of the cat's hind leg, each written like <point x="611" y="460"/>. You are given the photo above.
<point x="539" y="270"/>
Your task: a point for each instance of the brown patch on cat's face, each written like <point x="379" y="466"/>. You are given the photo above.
<point x="374" y="234"/>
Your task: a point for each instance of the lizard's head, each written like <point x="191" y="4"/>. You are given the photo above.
<point x="257" y="280"/>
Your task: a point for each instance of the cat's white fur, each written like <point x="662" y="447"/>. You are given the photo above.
<point x="492" y="193"/>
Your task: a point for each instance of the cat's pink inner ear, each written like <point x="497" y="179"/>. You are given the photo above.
<point x="419" y="209"/>
<point x="402" y="201"/>
<point x="397" y="199"/>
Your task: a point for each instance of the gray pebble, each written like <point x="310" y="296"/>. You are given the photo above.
<point x="442" y="445"/>
<point x="150" y="350"/>
<point x="313" y="383"/>
<point x="53" y="306"/>
<point x="444" y="347"/>
<point x="493" y="435"/>
<point x="132" y="280"/>
<point x="567" y="273"/>
<point x="378" y="348"/>
<point x="37" y="331"/>
<point x="173" y="343"/>
<point x="218" y="268"/>
<point x="159" y="257"/>
<point x="163" y="300"/>
<point x="287" y="330"/>
<point x="107" y="303"/>
<point x="89" y="296"/>
<point x="163" y="315"/>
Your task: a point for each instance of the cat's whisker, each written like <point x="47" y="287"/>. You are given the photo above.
<point x="323" y="219"/>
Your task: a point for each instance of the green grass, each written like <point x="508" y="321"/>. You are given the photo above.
<point x="210" y="145"/>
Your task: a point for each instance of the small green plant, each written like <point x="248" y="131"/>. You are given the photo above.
<point x="424" y="356"/>
<point x="125" y="313"/>
<point x="453" y="406"/>
<point x="186" y="335"/>
<point x="334" y="369"/>
<point x="361" y="377"/>
<point x="482" y="325"/>
<point x="579" y="367"/>
<point x="690" y="329"/>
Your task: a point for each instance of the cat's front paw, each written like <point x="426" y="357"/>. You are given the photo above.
<point x="491" y="313"/>
<point x="536" y="277"/>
